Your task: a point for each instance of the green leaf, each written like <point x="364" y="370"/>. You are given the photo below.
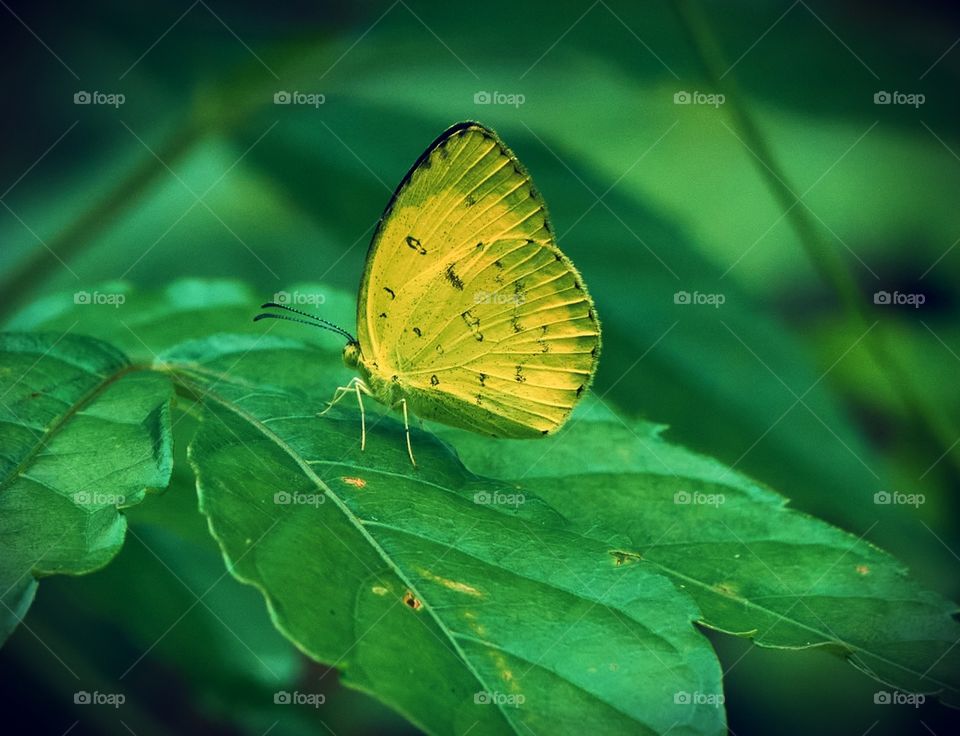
<point x="84" y="433"/>
<point x="421" y="593"/>
<point x="755" y="567"/>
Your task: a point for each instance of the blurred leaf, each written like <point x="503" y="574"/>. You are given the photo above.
<point x="84" y="434"/>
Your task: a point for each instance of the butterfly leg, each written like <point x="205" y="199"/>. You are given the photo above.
<point x="339" y="394"/>
<point x="356" y="385"/>
<point x="363" y="416"/>
<point x="406" y="429"/>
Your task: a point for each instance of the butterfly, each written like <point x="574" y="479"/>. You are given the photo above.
<point x="469" y="314"/>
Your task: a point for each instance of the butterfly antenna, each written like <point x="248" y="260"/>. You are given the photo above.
<point x="314" y="321"/>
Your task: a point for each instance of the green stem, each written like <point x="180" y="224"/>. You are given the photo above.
<point x="24" y="278"/>
<point x="930" y="426"/>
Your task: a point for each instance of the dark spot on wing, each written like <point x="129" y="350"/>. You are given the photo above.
<point x="415" y="244"/>
<point x="473" y="323"/>
<point x="455" y="281"/>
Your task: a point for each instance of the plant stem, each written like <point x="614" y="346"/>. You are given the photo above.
<point x="931" y="427"/>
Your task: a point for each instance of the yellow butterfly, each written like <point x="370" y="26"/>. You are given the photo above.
<point x="469" y="314"/>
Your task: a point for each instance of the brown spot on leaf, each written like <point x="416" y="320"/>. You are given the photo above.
<point x="411" y="601"/>
<point x="355" y="482"/>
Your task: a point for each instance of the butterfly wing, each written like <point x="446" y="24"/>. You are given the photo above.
<point x="468" y="303"/>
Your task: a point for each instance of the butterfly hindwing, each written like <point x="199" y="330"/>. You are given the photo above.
<point x="467" y="299"/>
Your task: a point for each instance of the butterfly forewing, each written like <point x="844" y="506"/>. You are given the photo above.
<point x="467" y="299"/>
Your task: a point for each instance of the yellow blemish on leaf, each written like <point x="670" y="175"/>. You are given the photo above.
<point x="454" y="585"/>
<point x="355" y="482"/>
<point x="379" y="590"/>
<point x="411" y="601"/>
<point x="863" y="570"/>
<point x="728" y="589"/>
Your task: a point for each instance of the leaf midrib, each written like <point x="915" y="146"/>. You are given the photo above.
<point x="358" y="525"/>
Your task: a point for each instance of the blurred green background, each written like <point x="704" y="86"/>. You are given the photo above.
<point x="797" y="199"/>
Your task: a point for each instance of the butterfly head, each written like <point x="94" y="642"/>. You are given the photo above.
<point x="352" y="357"/>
